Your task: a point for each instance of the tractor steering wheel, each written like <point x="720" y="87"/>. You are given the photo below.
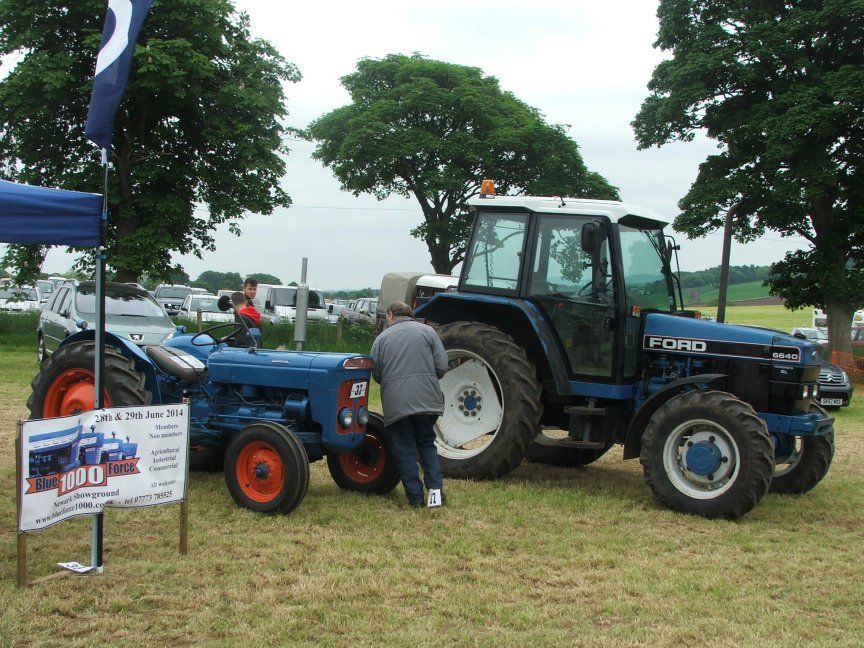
<point x="214" y="340"/>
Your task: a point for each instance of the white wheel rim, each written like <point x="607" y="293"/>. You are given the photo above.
<point x="473" y="406"/>
<point x="785" y="465"/>
<point x="688" y="482"/>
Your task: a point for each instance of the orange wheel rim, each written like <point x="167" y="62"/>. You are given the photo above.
<point x="365" y="463"/>
<point x="260" y="472"/>
<point x="71" y="392"/>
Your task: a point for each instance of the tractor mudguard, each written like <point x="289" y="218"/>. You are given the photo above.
<point x="633" y="438"/>
<point x="520" y="319"/>
<point x="129" y="350"/>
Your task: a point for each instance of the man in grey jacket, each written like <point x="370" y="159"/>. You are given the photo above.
<point x="409" y="359"/>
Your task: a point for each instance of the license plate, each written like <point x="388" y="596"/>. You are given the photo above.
<point x="831" y="401"/>
<point x="358" y="390"/>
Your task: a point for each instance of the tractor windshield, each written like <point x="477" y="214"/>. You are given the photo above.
<point x="647" y="273"/>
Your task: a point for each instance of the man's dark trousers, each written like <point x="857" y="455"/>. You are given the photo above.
<point x="413" y="437"/>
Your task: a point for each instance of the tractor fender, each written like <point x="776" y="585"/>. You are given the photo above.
<point x="519" y="318"/>
<point x="633" y="438"/>
<point x="128" y="350"/>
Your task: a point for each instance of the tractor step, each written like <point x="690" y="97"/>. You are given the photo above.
<point x="588" y="411"/>
<point x="570" y="442"/>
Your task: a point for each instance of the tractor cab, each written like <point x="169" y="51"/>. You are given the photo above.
<point x="590" y="267"/>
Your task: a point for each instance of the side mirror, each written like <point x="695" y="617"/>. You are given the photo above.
<point x="267" y="305"/>
<point x="224" y="303"/>
<point x="81" y="324"/>
<point x="590" y="237"/>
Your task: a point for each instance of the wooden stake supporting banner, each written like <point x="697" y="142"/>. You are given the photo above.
<point x="184" y="526"/>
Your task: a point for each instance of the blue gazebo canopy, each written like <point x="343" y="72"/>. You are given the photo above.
<point x="30" y="214"/>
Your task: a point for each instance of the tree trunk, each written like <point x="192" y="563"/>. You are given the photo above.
<point x="126" y="276"/>
<point x="840" y="326"/>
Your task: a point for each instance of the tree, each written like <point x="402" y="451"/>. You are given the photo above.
<point x="263" y="277"/>
<point x="434" y="130"/>
<point x="215" y="281"/>
<point x="780" y="85"/>
<point x="199" y="124"/>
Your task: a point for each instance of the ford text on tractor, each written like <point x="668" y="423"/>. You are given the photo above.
<point x="567" y="335"/>
<point x="264" y="414"/>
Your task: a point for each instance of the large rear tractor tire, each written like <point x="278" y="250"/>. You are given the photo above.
<point x="65" y="383"/>
<point x="368" y="468"/>
<point x="266" y="468"/>
<point x="802" y="462"/>
<point x="548" y="450"/>
<point x="492" y="403"/>
<point x="707" y="453"/>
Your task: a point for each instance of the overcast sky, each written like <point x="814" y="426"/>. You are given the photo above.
<point x="584" y="64"/>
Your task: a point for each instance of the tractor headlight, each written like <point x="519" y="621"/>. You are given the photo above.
<point x="805" y="391"/>
<point x="815" y="390"/>
<point x="363" y="416"/>
<point x="345" y="417"/>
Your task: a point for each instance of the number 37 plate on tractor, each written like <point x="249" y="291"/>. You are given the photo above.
<point x="358" y="390"/>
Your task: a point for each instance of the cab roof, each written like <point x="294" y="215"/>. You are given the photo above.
<point x="628" y="214"/>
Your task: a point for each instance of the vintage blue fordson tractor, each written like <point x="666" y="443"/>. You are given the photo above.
<point x="261" y="413"/>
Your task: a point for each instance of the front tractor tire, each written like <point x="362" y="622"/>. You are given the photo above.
<point x="65" y="384"/>
<point x="266" y="468"/>
<point x="707" y="453"/>
<point x="370" y="467"/>
<point x="492" y="403"/>
<point x="802" y="462"/>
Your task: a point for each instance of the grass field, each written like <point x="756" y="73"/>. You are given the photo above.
<point x="735" y="292"/>
<point x="544" y="556"/>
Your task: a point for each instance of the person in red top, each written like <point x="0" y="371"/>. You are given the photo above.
<point x="250" y="289"/>
<point x="244" y="311"/>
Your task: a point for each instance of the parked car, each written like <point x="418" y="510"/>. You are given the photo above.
<point x="335" y="312"/>
<point x="19" y="299"/>
<point x="45" y="287"/>
<point x="171" y="296"/>
<point x="814" y="335"/>
<point x="130" y="313"/>
<point x="209" y="307"/>
<point x="365" y="307"/>
<point x="857" y="336"/>
<point x="835" y="388"/>
<point x="280" y="303"/>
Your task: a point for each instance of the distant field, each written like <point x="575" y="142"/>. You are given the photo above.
<point x="736" y="292"/>
<point x="776" y="317"/>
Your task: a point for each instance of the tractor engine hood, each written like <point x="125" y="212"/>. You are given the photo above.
<point x="686" y="336"/>
<point x="285" y="369"/>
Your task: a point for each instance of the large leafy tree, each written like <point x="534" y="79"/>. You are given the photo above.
<point x="780" y="85"/>
<point x="434" y="130"/>
<point x="198" y="139"/>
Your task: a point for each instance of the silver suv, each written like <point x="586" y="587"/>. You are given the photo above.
<point x="171" y="296"/>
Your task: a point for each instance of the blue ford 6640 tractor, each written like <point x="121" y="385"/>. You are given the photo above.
<point x="567" y="335"/>
<point x="266" y="413"/>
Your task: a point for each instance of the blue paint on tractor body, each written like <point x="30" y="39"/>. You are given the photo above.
<point x="240" y="386"/>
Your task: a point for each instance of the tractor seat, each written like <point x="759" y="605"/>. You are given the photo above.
<point x="177" y="363"/>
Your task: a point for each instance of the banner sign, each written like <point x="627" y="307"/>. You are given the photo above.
<point x="121" y="456"/>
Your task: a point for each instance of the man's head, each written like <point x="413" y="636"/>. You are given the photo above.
<point x="398" y="309"/>
<point x="238" y="299"/>
<point x="250" y="288"/>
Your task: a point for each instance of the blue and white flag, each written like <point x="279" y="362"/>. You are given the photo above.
<point x="122" y="25"/>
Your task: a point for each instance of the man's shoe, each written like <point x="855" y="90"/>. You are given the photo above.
<point x="416" y="504"/>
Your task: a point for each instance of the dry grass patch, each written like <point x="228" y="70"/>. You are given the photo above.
<point x="546" y="556"/>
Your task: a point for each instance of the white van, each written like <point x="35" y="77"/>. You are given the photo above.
<point x="280" y="303"/>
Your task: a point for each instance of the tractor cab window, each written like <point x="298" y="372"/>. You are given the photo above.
<point x="572" y="281"/>
<point x="647" y="274"/>
<point x="495" y="256"/>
